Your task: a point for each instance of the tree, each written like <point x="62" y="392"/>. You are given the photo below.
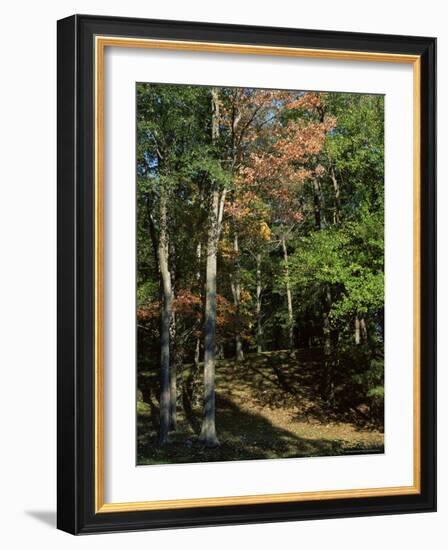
<point x="282" y="166"/>
<point x="218" y="196"/>
<point x="169" y="136"/>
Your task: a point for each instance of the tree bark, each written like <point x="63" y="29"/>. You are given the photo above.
<point x="152" y="233"/>
<point x="167" y="309"/>
<point x="173" y="374"/>
<point x="197" y="351"/>
<point x="208" y="432"/>
<point x="357" y="331"/>
<point x="337" y="196"/>
<point x="259" y="325"/>
<point x="328" y="384"/>
<point x="236" y="291"/>
<point x="291" y="342"/>
<point x="363" y="327"/>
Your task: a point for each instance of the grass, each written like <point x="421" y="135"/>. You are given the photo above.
<point x="268" y="406"/>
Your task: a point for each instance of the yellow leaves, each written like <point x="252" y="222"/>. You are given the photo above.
<point x="226" y="248"/>
<point x="265" y="231"/>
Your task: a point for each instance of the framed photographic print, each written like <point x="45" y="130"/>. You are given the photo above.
<point x="246" y="274"/>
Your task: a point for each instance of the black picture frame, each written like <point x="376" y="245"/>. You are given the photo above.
<point x="76" y="255"/>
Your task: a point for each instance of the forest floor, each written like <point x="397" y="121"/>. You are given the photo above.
<point x="267" y="408"/>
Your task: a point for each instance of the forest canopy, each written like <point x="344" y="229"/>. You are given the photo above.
<point x="260" y="271"/>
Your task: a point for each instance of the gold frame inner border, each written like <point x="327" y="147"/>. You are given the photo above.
<point x="101" y="42"/>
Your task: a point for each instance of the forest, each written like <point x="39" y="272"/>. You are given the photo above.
<point x="260" y="273"/>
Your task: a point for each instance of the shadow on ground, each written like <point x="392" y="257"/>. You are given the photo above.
<point x="243" y="435"/>
<point x="48" y="517"/>
<point x="268" y="406"/>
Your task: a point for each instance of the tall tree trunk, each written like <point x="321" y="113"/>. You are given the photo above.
<point x="153" y="235"/>
<point x="236" y="291"/>
<point x="327" y="389"/>
<point x="289" y="300"/>
<point x="173" y="374"/>
<point x="167" y="310"/>
<point x="259" y="325"/>
<point x="328" y="384"/>
<point x="337" y="196"/>
<point x="219" y="350"/>
<point x="197" y="351"/>
<point x="208" y="432"/>
<point x="357" y="331"/>
<point x="363" y="327"/>
<point x="318" y="199"/>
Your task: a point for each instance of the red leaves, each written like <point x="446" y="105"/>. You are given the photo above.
<point x="188" y="306"/>
<point x="185" y="303"/>
<point x="278" y="167"/>
<point x="149" y="312"/>
<point x="310" y="101"/>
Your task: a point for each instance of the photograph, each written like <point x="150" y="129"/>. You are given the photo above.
<point x="246" y="273"/>
<point x="222" y="241"/>
<point x="259" y="273"/>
